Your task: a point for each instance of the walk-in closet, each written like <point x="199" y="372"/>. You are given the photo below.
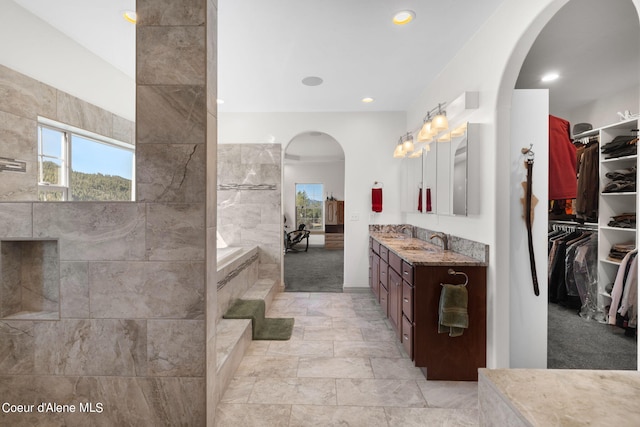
<point x="591" y="270"/>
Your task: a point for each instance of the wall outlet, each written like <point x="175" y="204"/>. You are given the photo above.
<point x="355" y="217"/>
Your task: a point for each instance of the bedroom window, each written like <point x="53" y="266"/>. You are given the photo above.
<point x="310" y="206"/>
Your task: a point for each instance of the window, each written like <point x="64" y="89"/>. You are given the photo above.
<point x="310" y="206"/>
<point x="77" y="165"/>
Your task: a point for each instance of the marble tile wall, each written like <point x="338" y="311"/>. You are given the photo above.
<point x="249" y="201"/>
<point x="134" y="280"/>
<point x="18" y="127"/>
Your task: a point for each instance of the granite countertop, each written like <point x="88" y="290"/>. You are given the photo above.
<point x="418" y="252"/>
<point x="564" y="397"/>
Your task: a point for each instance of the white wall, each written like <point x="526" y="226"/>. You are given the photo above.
<point x="34" y="48"/>
<point x="330" y="174"/>
<point x="602" y="112"/>
<point x="368" y="140"/>
<point x="528" y="312"/>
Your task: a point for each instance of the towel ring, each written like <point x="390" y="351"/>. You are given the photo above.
<point x="459" y="273"/>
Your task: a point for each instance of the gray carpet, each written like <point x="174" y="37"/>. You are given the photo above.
<point x="317" y="270"/>
<point x="577" y="343"/>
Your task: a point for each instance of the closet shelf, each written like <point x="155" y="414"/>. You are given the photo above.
<point x="608" y="261"/>
<point x="606" y="227"/>
<point x="617" y="159"/>
<point x="628" y="193"/>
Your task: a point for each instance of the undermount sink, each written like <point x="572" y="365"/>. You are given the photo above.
<point x="416" y="248"/>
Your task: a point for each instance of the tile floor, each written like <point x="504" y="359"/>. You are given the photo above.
<point x="342" y="367"/>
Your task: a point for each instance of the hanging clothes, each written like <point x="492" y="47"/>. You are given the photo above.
<point x="588" y="178"/>
<point x="573" y="277"/>
<point x="562" y="161"/>
<point x="626" y="283"/>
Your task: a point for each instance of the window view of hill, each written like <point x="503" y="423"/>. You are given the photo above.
<point x="89" y="186"/>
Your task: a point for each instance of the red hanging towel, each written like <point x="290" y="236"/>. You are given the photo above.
<point x="428" y="200"/>
<point x="376" y="199"/>
<point x="419" y="199"/>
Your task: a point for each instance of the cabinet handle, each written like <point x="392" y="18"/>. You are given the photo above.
<point x="406" y="337"/>
<point x="406" y="273"/>
<point x="405" y="299"/>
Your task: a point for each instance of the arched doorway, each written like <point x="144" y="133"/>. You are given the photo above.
<point x="313" y="200"/>
<point x="507" y="245"/>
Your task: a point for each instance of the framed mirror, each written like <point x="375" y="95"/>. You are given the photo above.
<point x="459" y="175"/>
<point x="430" y="178"/>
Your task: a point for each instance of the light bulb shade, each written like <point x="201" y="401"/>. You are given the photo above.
<point x="415" y="154"/>
<point x="398" y="153"/>
<point x="440" y="123"/>
<point x="445" y="138"/>
<point x="427" y="147"/>
<point x="425" y="134"/>
<point x="407" y="145"/>
<point x="459" y="131"/>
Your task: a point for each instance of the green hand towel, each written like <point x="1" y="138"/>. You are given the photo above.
<point x="452" y="310"/>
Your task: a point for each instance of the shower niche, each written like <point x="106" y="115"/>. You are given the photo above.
<point x="29" y="279"/>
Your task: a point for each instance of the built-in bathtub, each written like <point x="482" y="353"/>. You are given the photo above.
<point x="237" y="269"/>
<point x="224" y="255"/>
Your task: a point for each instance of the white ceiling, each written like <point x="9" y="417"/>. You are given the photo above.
<point x="100" y="28"/>
<point x="265" y="48"/>
<point x="595" y="47"/>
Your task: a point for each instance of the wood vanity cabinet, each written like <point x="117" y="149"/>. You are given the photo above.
<point x="410" y="297"/>
<point x="440" y="356"/>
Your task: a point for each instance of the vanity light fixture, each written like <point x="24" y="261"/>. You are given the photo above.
<point x="426" y="134"/>
<point x="398" y="153"/>
<point x="416" y="154"/>
<point x="440" y="122"/>
<point x="130" y="16"/>
<point x="403" y="17"/>
<point x="407" y="145"/>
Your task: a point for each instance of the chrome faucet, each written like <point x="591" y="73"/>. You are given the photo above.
<point x="444" y="238"/>
<point x="406" y="227"/>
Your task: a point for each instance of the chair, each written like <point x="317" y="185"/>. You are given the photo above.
<point x="296" y="236"/>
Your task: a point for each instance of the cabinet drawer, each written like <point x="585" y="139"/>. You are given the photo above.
<point x="395" y="262"/>
<point x="407" y="300"/>
<point x="384" y="301"/>
<point x="407" y="336"/>
<point x="384" y="253"/>
<point x="384" y="273"/>
<point x="407" y="272"/>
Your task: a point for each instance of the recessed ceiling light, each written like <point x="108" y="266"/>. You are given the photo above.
<point x="403" y="17"/>
<point x="130" y="16"/>
<point x="367" y="100"/>
<point x="312" y="81"/>
<point x="219" y="101"/>
<point x="549" y="77"/>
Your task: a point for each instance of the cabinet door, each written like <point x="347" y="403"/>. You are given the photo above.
<point x="395" y="299"/>
<point x="340" y="212"/>
<point x="330" y="213"/>
<point x="407" y="336"/>
<point x="375" y="275"/>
